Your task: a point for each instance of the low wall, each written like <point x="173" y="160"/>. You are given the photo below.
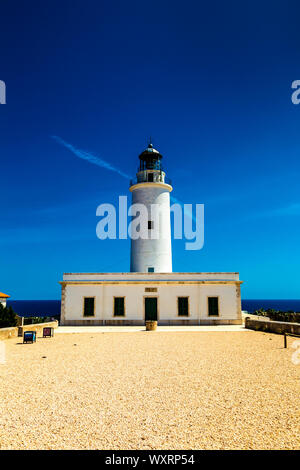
<point x="254" y="317"/>
<point x="6" y="333"/>
<point x="269" y="326"/>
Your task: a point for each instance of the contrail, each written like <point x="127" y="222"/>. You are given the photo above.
<point x="100" y="162"/>
<point x="90" y="157"/>
<point x="188" y="213"/>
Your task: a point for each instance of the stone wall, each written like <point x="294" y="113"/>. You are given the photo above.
<point x="6" y="333"/>
<point x="272" y="326"/>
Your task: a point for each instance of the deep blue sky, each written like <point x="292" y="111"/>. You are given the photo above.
<point x="210" y="81"/>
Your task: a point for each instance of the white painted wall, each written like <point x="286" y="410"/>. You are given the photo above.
<point x="104" y="293"/>
<point x="3" y="301"/>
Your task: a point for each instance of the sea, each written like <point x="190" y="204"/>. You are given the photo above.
<point x="49" y="308"/>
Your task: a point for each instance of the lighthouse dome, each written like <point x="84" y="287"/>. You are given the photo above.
<point x="150" y="151"/>
<point x="150" y="159"/>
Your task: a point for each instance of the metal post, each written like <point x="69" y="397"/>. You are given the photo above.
<point x="285" y="342"/>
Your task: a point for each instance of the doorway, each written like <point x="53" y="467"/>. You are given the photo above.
<point x="151" y="308"/>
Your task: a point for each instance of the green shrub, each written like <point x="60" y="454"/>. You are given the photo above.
<point x="32" y="320"/>
<point x="278" y="315"/>
<point x="7" y="317"/>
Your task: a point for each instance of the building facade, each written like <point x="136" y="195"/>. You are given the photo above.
<point x="3" y="299"/>
<point x="151" y="291"/>
<point x="133" y="298"/>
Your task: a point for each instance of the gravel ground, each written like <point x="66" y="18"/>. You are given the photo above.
<point x="181" y="390"/>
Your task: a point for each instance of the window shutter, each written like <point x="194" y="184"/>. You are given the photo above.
<point x="213" y="306"/>
<point x="119" y="306"/>
<point x="183" y="306"/>
<point x="89" y="306"/>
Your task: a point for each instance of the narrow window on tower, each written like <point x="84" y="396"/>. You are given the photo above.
<point x="150" y="177"/>
<point x="183" y="306"/>
<point x="119" y="306"/>
<point x="89" y="307"/>
<point x="150" y="270"/>
<point x="150" y="224"/>
<point x="213" y="306"/>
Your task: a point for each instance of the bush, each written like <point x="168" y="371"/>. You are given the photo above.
<point x="7" y="317"/>
<point x="32" y="320"/>
<point x="278" y="315"/>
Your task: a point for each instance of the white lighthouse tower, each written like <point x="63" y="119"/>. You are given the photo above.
<point x="152" y="253"/>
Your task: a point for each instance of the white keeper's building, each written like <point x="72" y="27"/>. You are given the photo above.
<point x="151" y="291"/>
